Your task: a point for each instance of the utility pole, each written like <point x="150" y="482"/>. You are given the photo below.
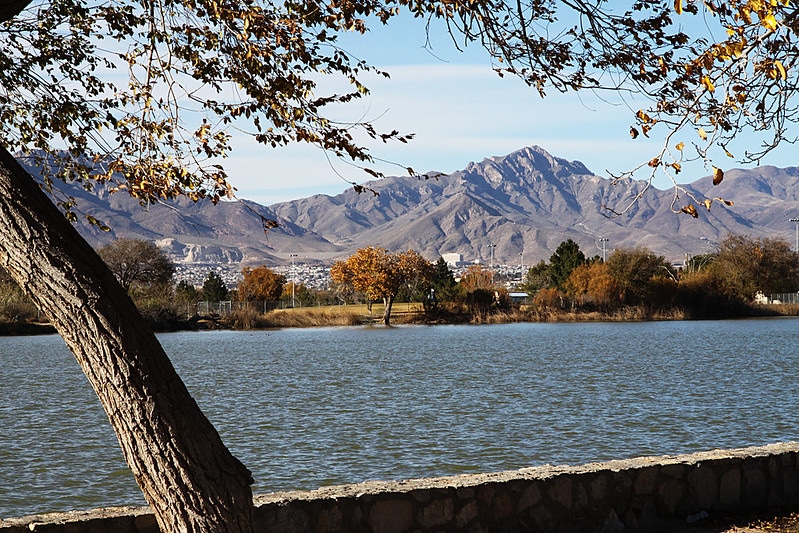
<point x="293" y="278"/>
<point x="521" y="267"/>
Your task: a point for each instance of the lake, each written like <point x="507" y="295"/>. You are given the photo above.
<point x="304" y="408"/>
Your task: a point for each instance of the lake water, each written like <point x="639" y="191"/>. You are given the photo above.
<point x="303" y="408"/>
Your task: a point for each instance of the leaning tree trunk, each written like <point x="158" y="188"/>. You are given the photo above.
<point x="186" y="473"/>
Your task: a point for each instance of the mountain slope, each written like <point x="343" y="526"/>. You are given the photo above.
<point x="525" y="202"/>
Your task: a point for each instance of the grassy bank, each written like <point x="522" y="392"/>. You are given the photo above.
<point x="353" y="315"/>
<point x="403" y="313"/>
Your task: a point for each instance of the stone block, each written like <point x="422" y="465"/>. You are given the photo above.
<point x="730" y="488"/>
<point x="466" y="515"/>
<point x="501" y="506"/>
<point x="754" y="487"/>
<point x="560" y="491"/>
<point x="703" y="486"/>
<point x="390" y="516"/>
<point x="530" y="497"/>
<point x="436" y="513"/>
<point x="645" y="481"/>
<point x="598" y="489"/>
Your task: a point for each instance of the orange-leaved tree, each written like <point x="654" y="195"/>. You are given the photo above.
<point x="379" y="274"/>
<point x="260" y="284"/>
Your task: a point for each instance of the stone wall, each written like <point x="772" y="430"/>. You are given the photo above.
<point x="642" y="494"/>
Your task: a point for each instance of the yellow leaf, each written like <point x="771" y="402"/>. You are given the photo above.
<point x="708" y="83"/>
<point x="718" y="175"/>
<point x="702" y="133"/>
<point x="769" y="22"/>
<point x="781" y="69"/>
<point x="708" y="203"/>
<point x="643" y="117"/>
<point x="680" y="146"/>
<point x="678" y="6"/>
<point x="677" y="167"/>
<point x="727" y="152"/>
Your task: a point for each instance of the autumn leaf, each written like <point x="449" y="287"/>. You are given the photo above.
<point x="708" y="203"/>
<point x="718" y="175"/>
<point x="633" y="133"/>
<point x="690" y="210"/>
<point x="654" y="162"/>
<point x="702" y="133"/>
<point x="677" y="167"/>
<point x="780" y="69"/>
<point x="678" y="6"/>
<point x="680" y="146"/>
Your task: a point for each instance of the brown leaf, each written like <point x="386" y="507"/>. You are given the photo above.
<point x="690" y="210"/>
<point x="633" y="133"/>
<point x="654" y="162"/>
<point x="718" y="175"/>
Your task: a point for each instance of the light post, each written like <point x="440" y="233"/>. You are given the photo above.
<point x="491" y="249"/>
<point x="796" y="221"/>
<point x="604" y="241"/>
<point x="521" y="267"/>
<point x="293" y="279"/>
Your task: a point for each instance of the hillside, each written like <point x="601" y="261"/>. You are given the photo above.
<point x="528" y="201"/>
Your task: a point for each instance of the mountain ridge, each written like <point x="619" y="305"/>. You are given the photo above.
<point x="525" y="202"/>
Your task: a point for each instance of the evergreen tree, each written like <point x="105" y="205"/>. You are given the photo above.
<point x="443" y="280"/>
<point x="214" y="289"/>
<point x="566" y="258"/>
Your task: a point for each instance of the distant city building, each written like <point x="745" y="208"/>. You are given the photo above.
<point x="453" y="259"/>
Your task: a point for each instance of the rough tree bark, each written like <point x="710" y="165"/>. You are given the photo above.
<point x="186" y="473"/>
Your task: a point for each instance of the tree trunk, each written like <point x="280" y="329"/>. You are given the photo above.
<point x="186" y="473"/>
<point x="388" y="301"/>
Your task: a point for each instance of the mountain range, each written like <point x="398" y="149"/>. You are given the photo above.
<point x="526" y="202"/>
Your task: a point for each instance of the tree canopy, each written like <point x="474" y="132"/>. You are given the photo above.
<point x="137" y="262"/>
<point x="379" y="274"/>
<point x="261" y="284"/>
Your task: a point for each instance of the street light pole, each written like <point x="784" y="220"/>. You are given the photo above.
<point x="604" y="241"/>
<point x="293" y="279"/>
<point x="796" y="221"/>
<point x="521" y="267"/>
<point x="491" y="249"/>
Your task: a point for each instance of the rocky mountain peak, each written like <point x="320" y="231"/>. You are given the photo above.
<point x="524" y="167"/>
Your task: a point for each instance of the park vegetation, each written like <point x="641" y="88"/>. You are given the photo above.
<point x="632" y="284"/>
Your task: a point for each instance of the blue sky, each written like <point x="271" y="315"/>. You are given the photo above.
<point x="460" y="111"/>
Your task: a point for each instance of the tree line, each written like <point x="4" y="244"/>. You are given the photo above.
<point x="721" y="283"/>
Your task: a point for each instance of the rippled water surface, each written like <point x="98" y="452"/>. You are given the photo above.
<point x="311" y="407"/>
